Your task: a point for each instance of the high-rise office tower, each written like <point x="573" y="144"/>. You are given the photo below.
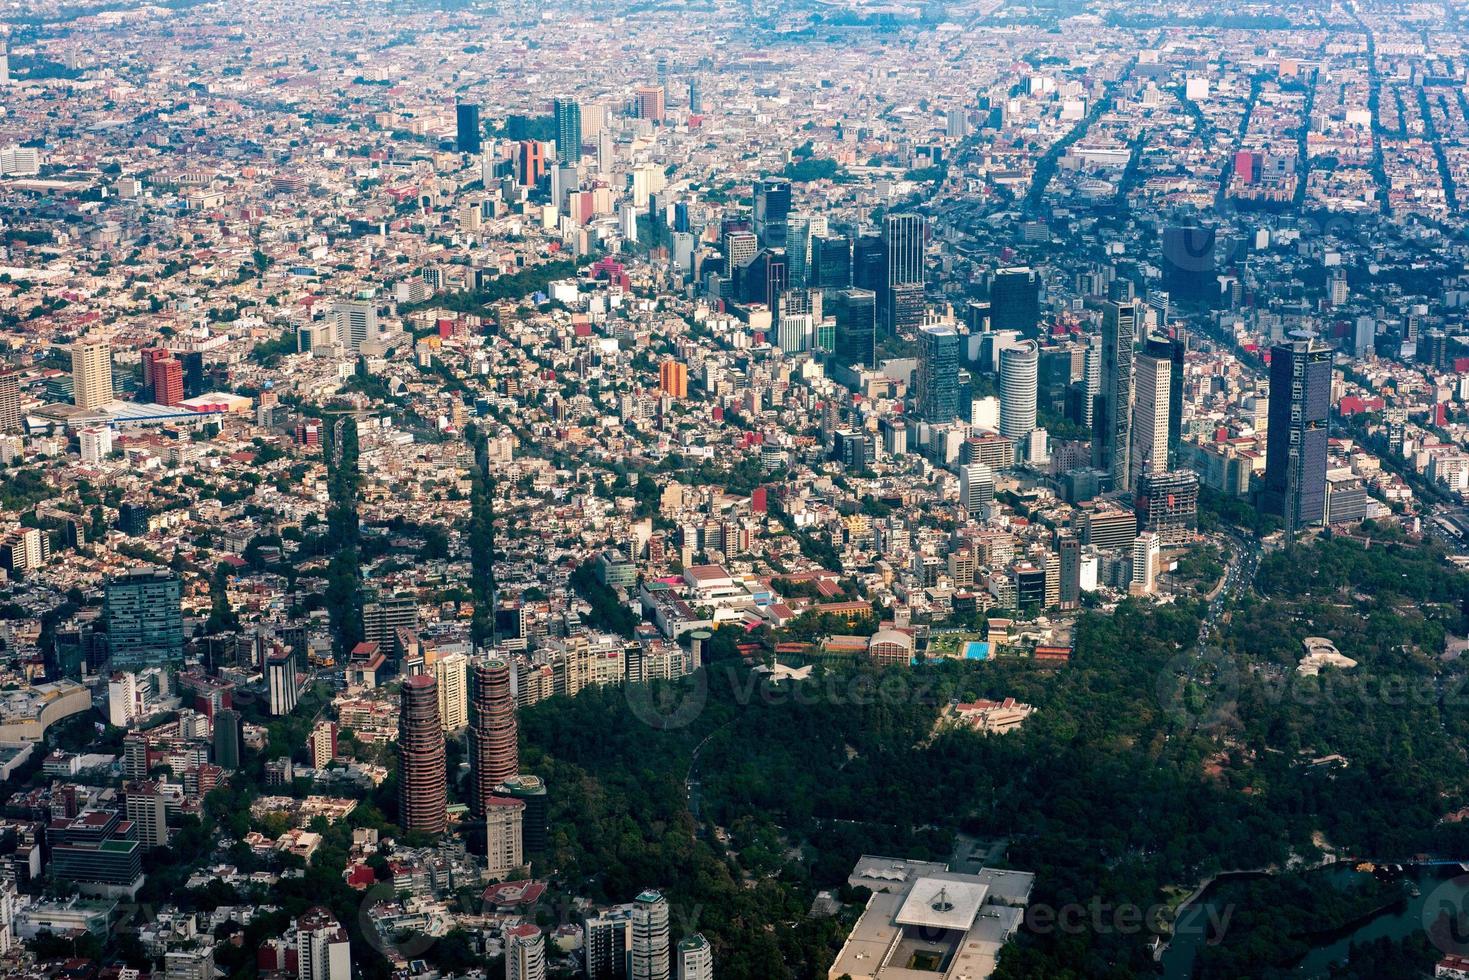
<point x="1189" y="255"/>
<point x="525" y="953"/>
<point x="229" y="738"/>
<point x="1112" y="410"/>
<point x="1068" y="552"/>
<point x="422" y="790"/>
<point x="535" y="827"/>
<point x="772" y="211"/>
<point x="1150" y="414"/>
<point x="1295" y="447"/>
<point x="494" y="752"/>
<point x="740" y="249"/>
<point x="650" y="938"/>
<point x="466" y="128"/>
<point x="855" y="311"/>
<point x="568" y="129"/>
<point x="938" y="374"/>
<point x="1092" y="378"/>
<point x="648" y="102"/>
<point x="903" y="241"/>
<point x="451" y="671"/>
<point x="870" y="263"/>
<point x="696" y="97"/>
<point x="356" y="322"/>
<point x="1177" y="357"/>
<point x="695" y="958"/>
<point x="663" y="79"/>
<point x="1018" y="379"/>
<point x="280" y="683"/>
<point x="91" y="373"/>
<point x="798" y="248"/>
<point x="10" y="401"/>
<point x="145" y="624"/>
<point x="831" y="262"/>
<point x="1015" y="301"/>
<point x="976" y="487"/>
<point x="530" y="159"/>
<point x="168" y="381"/>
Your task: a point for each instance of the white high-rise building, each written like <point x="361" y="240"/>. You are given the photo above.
<point x="356" y="322"/>
<point x="1144" y="564"/>
<point x="1152" y="382"/>
<point x="525" y="953"/>
<point x="452" y="673"/>
<point x="1018" y="378"/>
<point x="323" y="951"/>
<point x="695" y="958"/>
<point x="95" y="444"/>
<point x="976" y="487"/>
<point x="984" y="413"/>
<point x="650" y="958"/>
<point x="123" y="704"/>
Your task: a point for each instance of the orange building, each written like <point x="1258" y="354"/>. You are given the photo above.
<point x="531" y="157"/>
<point x="650" y="102"/>
<point x="673" y="379"/>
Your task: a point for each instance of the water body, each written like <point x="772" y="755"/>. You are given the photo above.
<point x="1440" y="888"/>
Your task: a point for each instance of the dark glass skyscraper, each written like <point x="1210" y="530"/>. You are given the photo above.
<point x="772" y="211"/>
<point x="467" y="131"/>
<point x="1015" y="301"/>
<point x="145" y="624"/>
<point x="831" y="262"/>
<point x="856" y="327"/>
<point x="938" y="374"/>
<point x="568" y="130"/>
<point x="1112" y="414"/>
<point x="1295" y="447"/>
<point x="1189" y="263"/>
<point x="903" y="240"/>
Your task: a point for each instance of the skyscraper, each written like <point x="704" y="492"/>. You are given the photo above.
<point x="466" y="129"/>
<point x="1018" y="378"/>
<point x="1150" y="414"/>
<point x="280" y="682"/>
<point x="568" y="129"/>
<point x="831" y="262"/>
<point x="1295" y="447"/>
<point x="938" y="374"/>
<point x="91" y="373"/>
<point x="323" y="950"/>
<point x="855" y="311"/>
<point x="696" y="97"/>
<point x="903" y="241"/>
<point x="673" y="379"/>
<point x="648" y="102"/>
<point x="1068" y="550"/>
<point x="976" y="487"/>
<point x="695" y="958"/>
<point x="650" y="938"/>
<point x="356" y="322"/>
<point x="9" y="401"/>
<point x="422" y="790"/>
<point x="145" y="624"/>
<point x="1112" y="410"/>
<point x="168" y="381"/>
<point x="1015" y="301"/>
<point x="451" y="671"/>
<point x="772" y="211"/>
<point x="494" y="754"/>
<point x="530" y="158"/>
<point x="504" y="835"/>
<point x="1189" y="263"/>
<point x="229" y="737"/>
